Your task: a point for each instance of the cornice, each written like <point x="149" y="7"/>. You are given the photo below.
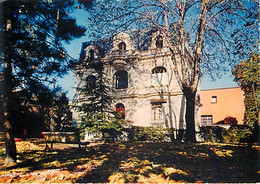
<point x="148" y="95"/>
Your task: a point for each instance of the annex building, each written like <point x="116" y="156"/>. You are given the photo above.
<point x="140" y="71"/>
<point x="222" y="103"/>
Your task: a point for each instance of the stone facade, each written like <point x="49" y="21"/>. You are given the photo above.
<point x="141" y="73"/>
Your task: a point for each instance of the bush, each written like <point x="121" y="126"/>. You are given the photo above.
<point x="212" y="133"/>
<point x="153" y="134"/>
<point x="238" y="134"/>
<point x="235" y="134"/>
<point x="110" y="127"/>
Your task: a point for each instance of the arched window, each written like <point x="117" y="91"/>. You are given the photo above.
<point x="91" y="82"/>
<point x="91" y="55"/>
<point x="120" y="109"/>
<point x="159" y="76"/>
<point x="159" y="69"/>
<point x="159" y="42"/>
<point x="122" y="46"/>
<point x="121" y="79"/>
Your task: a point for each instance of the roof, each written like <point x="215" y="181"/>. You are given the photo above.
<point x="141" y="40"/>
<point x="104" y="44"/>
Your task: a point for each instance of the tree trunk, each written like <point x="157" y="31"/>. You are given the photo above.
<point x="10" y="147"/>
<point x="190" y="93"/>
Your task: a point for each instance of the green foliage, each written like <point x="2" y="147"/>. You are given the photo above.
<point x="32" y="44"/>
<point x="32" y="54"/>
<point x="95" y="96"/>
<point x="212" y="134"/>
<point x="94" y="101"/>
<point x="235" y="134"/>
<point x="153" y="134"/>
<point x="109" y="127"/>
<point x="247" y="76"/>
<point x="33" y="35"/>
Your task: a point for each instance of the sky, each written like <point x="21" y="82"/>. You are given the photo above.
<point x="74" y="48"/>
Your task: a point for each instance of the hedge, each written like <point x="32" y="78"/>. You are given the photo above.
<point x="150" y="134"/>
<point x="235" y="134"/>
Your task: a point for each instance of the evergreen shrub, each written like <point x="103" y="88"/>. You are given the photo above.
<point x="150" y="134"/>
<point x="235" y="134"/>
<point x="212" y="133"/>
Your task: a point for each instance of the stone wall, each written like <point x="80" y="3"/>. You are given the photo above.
<point x="152" y="96"/>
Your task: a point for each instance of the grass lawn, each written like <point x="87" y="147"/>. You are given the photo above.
<point x="132" y="162"/>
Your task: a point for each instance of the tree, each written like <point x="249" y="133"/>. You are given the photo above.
<point x="93" y="98"/>
<point x="32" y="53"/>
<point x="203" y="36"/>
<point x="59" y="114"/>
<point x="247" y="76"/>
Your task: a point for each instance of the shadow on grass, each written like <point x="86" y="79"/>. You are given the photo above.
<point x="113" y="154"/>
<point x="40" y="159"/>
<point x="176" y="162"/>
<point x="148" y="162"/>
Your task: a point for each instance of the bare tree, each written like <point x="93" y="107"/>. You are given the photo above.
<point x="204" y="36"/>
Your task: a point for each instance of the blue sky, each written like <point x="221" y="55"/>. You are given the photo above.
<point x="74" y="48"/>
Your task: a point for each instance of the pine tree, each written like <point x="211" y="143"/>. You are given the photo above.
<point x="32" y="34"/>
<point x="94" y="100"/>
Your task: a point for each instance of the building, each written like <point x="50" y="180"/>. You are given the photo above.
<point x="218" y="104"/>
<point x="141" y="72"/>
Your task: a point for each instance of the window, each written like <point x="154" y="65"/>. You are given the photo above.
<point x="159" y="70"/>
<point x="91" y="82"/>
<point x="159" y="42"/>
<point x="91" y="55"/>
<point x="120" y="109"/>
<point x="159" y="76"/>
<point x="121" y="79"/>
<point x="156" y="111"/>
<point x="122" y="46"/>
<point x="214" y="99"/>
<point x="206" y="120"/>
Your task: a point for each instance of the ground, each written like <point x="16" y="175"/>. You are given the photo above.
<point x="139" y="162"/>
